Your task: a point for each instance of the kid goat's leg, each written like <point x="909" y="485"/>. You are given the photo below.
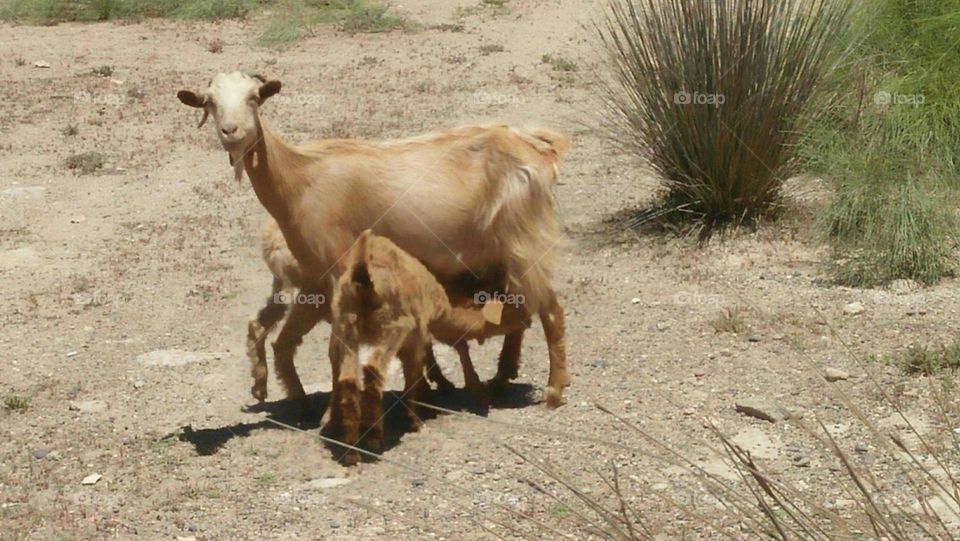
<point x="257" y="331"/>
<point x="345" y="408"/>
<point x="508" y="366"/>
<point x="471" y="380"/>
<point x="434" y="373"/>
<point x="551" y="317"/>
<point x="392" y="337"/>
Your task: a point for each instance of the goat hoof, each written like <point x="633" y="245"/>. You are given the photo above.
<point x="350" y="458"/>
<point x="259" y="392"/>
<point x="554" y="397"/>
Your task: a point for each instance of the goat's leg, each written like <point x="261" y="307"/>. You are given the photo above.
<point x="345" y="401"/>
<point x="257" y="331"/>
<point x="471" y="380"/>
<point x="551" y="317"/>
<point x="508" y="365"/>
<point x="392" y="338"/>
<point x="331" y="422"/>
<point x="302" y="318"/>
<point x="434" y="373"/>
<point x="414" y="385"/>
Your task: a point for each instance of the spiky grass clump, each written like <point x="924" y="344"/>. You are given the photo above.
<point x="710" y="93"/>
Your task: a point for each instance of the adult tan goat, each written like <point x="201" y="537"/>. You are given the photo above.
<point x="472" y="199"/>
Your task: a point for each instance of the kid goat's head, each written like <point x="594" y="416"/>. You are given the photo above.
<point x="233" y="99"/>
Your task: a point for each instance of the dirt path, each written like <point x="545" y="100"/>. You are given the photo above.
<point x="126" y="294"/>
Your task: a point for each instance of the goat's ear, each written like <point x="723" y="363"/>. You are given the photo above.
<point x="191" y="98"/>
<point x="268" y="89"/>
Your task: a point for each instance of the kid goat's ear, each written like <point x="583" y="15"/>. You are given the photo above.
<point x="268" y="89"/>
<point x="191" y="98"/>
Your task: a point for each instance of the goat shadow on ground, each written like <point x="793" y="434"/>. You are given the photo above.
<point x="625" y="226"/>
<point x="209" y="441"/>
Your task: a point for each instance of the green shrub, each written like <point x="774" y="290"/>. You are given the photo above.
<point x="711" y="93"/>
<point x="890" y="143"/>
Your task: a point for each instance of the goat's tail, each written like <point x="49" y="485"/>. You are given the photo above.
<point x="522" y="169"/>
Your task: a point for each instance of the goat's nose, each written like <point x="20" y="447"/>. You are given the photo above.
<point x="229" y="129"/>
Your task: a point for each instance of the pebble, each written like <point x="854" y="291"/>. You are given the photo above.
<point x="636" y="300"/>
<point x="40" y="453"/>
<point x="91" y="479"/>
<point x="78" y="219"/>
<point x="754" y="339"/>
<point x="418" y="482"/>
<point x="41" y="64"/>
<point x="334" y="524"/>
<point x="801" y="461"/>
<point x="854" y="308"/>
<point x="862" y="448"/>
<point x="88" y="406"/>
<point x="835" y="374"/>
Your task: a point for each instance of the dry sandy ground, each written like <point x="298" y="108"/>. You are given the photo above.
<point x="126" y="295"/>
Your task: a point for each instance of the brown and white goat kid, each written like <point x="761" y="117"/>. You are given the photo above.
<point x="285" y="295"/>
<point x="467" y="199"/>
<point x="387" y="299"/>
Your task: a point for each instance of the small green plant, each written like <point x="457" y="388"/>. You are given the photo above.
<point x="729" y="320"/>
<point x="559" y="63"/>
<point x="266" y="479"/>
<point x="85" y="163"/>
<point x="491" y="48"/>
<point x="103" y="71"/>
<point x="924" y="360"/>
<point x="16" y="403"/>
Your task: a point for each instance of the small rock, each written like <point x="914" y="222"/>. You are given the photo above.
<point x="334" y="524"/>
<point x="758" y="410"/>
<point x="40" y="453"/>
<point x="188" y="538"/>
<point x="636" y="300"/>
<point x="835" y="374"/>
<point x="853" y="309"/>
<point x="662" y="326"/>
<point x="138" y="384"/>
<point x="41" y="64"/>
<point x="699" y="373"/>
<point x="71" y="354"/>
<point x="725" y="353"/>
<point x="91" y="479"/>
<point x="78" y="219"/>
<point x="418" y="482"/>
<point x="862" y="448"/>
<point x="659" y="487"/>
<point x="88" y="406"/>
<point x="754" y="339"/>
<point x="689" y="412"/>
<point x="801" y="461"/>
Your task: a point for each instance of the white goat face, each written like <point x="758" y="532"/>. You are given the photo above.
<point x="233" y="100"/>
